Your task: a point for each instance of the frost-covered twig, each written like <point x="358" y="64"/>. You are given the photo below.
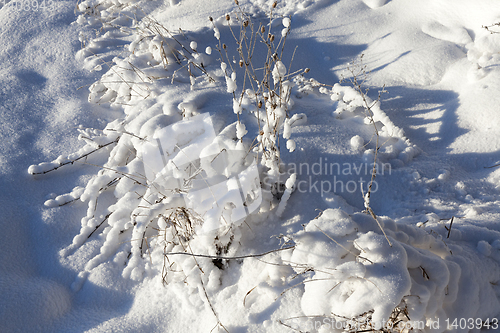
<point x="493" y="166"/>
<point x="489" y="28"/>
<point x="99" y="225"/>
<point x="44" y="168"/>
<point x="358" y="77"/>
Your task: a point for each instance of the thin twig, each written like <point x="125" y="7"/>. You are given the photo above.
<point x="449" y="229"/>
<point x="97" y="226"/>
<point x="493" y="166"/>
<point x="228" y="257"/>
<point x="78" y="158"/>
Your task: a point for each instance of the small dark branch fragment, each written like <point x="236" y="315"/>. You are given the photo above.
<point x="449" y="229"/>
<point x="424" y="273"/>
<point x="97" y="226"/>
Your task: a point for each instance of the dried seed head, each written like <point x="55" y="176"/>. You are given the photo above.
<point x="245" y="24"/>
<point x="275" y="4"/>
<point x="241" y="63"/>
<point x="210" y="18"/>
<point x="228" y="17"/>
<point x="307" y="70"/>
<point x="260" y="104"/>
<point x="224" y="46"/>
<point x="236" y="2"/>
<point x="262" y="29"/>
<point x="272" y="38"/>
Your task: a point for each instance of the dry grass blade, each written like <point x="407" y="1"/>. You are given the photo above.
<point x="248" y="293"/>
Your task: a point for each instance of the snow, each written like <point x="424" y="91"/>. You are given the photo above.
<point x="279" y="72"/>
<point x="154" y="182"/>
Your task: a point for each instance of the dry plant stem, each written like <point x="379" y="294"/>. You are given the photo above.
<point x="380" y="226"/>
<point x="68" y="202"/>
<point x="99" y="225"/>
<point x="259" y="79"/>
<point x="219" y="323"/>
<point x="78" y="158"/>
<point x="290" y="327"/>
<point x="248" y="293"/>
<point x="126" y="132"/>
<point x="356" y="71"/>
<point x="228" y="258"/>
<point x="488" y="28"/>
<point x="493" y="166"/>
<point x="190" y="253"/>
<point x="124" y="174"/>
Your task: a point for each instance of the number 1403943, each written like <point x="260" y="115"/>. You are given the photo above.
<point x="472" y="323"/>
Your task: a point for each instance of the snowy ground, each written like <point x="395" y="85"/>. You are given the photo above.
<point x="83" y="246"/>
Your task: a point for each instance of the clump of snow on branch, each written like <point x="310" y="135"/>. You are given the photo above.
<point x="353" y="275"/>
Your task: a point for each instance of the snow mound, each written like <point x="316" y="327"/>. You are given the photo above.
<point x="356" y="278"/>
<point x="363" y="113"/>
<point x="183" y="181"/>
<point x="457" y="35"/>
